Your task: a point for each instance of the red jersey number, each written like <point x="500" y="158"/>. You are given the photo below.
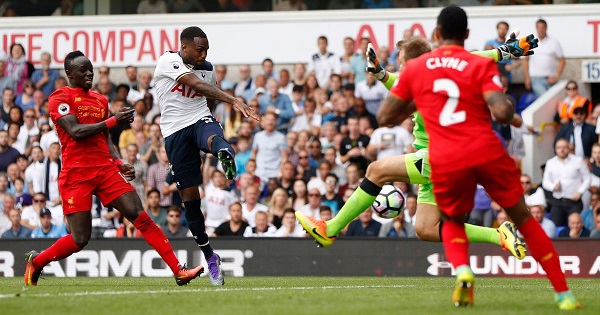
<point x="449" y="115"/>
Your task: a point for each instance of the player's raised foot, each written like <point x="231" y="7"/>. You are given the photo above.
<point x="228" y="162"/>
<point x="185" y="274"/>
<point x="566" y="301"/>
<point x="31" y="274"/>
<point x="465" y="285"/>
<point x="509" y="240"/>
<point x="214" y="268"/>
<point x="316" y="228"/>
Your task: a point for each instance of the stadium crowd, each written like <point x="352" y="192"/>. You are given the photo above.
<point x="316" y="136"/>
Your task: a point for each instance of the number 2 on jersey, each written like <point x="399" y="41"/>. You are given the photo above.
<point x="449" y="115"/>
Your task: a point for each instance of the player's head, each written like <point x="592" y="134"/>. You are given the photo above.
<point x="194" y="46"/>
<point x="79" y="70"/>
<point x="452" y="25"/>
<point x="411" y="49"/>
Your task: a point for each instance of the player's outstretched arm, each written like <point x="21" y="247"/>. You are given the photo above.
<point x="500" y="106"/>
<point x="394" y="111"/>
<point x="81" y="131"/>
<point x="213" y="92"/>
<point x="514" y="48"/>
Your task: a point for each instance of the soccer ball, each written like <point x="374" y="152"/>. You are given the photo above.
<point x="389" y="203"/>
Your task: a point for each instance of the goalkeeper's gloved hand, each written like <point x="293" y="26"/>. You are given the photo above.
<point x="373" y="65"/>
<point x="517" y="47"/>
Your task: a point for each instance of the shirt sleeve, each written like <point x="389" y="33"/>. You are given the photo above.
<point x="171" y="65"/>
<point x="490" y="77"/>
<point x="59" y="105"/>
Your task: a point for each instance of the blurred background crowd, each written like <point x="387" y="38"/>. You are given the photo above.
<point x="310" y="150"/>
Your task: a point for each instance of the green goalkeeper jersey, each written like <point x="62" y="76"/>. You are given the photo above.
<point x="421" y="136"/>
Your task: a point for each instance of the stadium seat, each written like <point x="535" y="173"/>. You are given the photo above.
<point x="560" y="228"/>
<point x="524" y="101"/>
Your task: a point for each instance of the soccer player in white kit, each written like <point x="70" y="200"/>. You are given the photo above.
<point x="185" y="84"/>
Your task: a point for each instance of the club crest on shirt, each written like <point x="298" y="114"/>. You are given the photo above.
<point x="63" y="108"/>
<point x="175" y="65"/>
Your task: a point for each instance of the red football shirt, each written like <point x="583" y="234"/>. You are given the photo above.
<point x="90" y="107"/>
<point x="447" y="86"/>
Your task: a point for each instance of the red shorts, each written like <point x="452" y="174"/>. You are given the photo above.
<point x="455" y="191"/>
<point x="77" y="185"/>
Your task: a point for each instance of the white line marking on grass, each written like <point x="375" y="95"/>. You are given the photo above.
<point x="132" y="292"/>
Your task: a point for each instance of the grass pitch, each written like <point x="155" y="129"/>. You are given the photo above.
<point x="285" y="295"/>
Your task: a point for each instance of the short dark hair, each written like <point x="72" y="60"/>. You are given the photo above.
<point x="452" y="23"/>
<point x="189" y="33"/>
<point x="542" y="21"/>
<point x="70" y="57"/>
<point x="501" y="23"/>
<point x="174" y="209"/>
<point x="322" y="37"/>
<point x="325" y="208"/>
<point x="415" y="47"/>
<point x="153" y="190"/>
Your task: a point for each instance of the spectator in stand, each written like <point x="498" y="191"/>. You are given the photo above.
<point x="358" y="63"/>
<point x="286" y="180"/>
<point x="127" y="137"/>
<point x="141" y="171"/>
<point x="131" y="72"/>
<point x="397" y="228"/>
<point x="243" y="154"/>
<point x="267" y="70"/>
<point x="104" y="87"/>
<point x="543" y="69"/>
<point x="251" y="206"/>
<point x="285" y="83"/>
<point x="8" y="154"/>
<point x="300" y="195"/>
<point x="345" y="59"/>
<point x="6" y="81"/>
<point x="17" y="67"/>
<point x="128" y="230"/>
<point x="45" y="77"/>
<point x="410" y="211"/>
<point x="25" y="99"/>
<point x="316" y="150"/>
<point x="587" y="215"/>
<point x="339" y="171"/>
<point x="47" y="229"/>
<point x="152" y="7"/>
<point x="566" y="108"/>
<point x="305" y="170"/>
<point x="299" y="71"/>
<point x="291" y="5"/>
<point x="173" y="229"/>
<point x="289" y="226"/>
<point x="372" y="91"/>
<point x="16" y="230"/>
<point x="157" y="176"/>
<point x="568" y="177"/>
<point x="389" y="141"/>
<point x="537" y="206"/>
<point x="38" y="104"/>
<point x="104" y="72"/>
<point x="269" y="148"/>
<point x="309" y="120"/>
<point x="280" y="104"/>
<point x="277" y="205"/>
<point x="595" y="233"/>
<point x="115" y="132"/>
<point x="353" y="176"/>
<point x="325" y="213"/>
<point x="8" y="102"/>
<point x="328" y="132"/>
<point x="575" y="229"/>
<point x="331" y="198"/>
<point x="257" y="86"/>
<point x="37" y="158"/>
<point x="315" y="201"/>
<point x="235" y="226"/>
<point x="30" y="215"/>
<point x="28" y="133"/>
<point x="143" y="87"/>
<point x="364" y="226"/>
<point x="157" y="213"/>
<point x="581" y="134"/>
<point x="324" y="63"/>
<point x="341" y="115"/>
<point x="504" y="66"/>
<point x="263" y="228"/>
<point x="149" y="150"/>
<point x="218" y="199"/>
<point x="245" y="83"/>
<point x="60" y="82"/>
<point x="353" y="147"/>
<point x="311" y="86"/>
<point x="47" y="176"/>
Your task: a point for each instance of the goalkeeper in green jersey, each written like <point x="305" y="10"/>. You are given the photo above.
<point x="414" y="167"/>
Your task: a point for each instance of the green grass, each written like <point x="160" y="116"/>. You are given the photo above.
<point x="285" y="295"/>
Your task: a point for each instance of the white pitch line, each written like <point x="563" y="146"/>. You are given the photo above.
<point x="94" y="293"/>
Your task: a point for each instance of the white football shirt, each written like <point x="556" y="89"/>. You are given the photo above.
<point x="180" y="105"/>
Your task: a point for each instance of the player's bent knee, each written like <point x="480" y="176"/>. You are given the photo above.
<point x="80" y="240"/>
<point x="376" y="173"/>
<point x="425" y="232"/>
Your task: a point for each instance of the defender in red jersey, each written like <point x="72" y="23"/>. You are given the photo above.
<point x="91" y="167"/>
<point x="454" y="91"/>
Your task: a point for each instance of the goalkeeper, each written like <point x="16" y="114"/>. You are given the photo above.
<point x="414" y="168"/>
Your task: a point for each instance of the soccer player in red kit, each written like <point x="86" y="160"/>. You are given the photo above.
<point x="452" y="89"/>
<point x="91" y="167"/>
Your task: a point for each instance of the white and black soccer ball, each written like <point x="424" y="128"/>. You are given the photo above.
<point x="389" y="203"/>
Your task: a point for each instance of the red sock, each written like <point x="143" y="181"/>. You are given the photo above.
<point x="157" y="239"/>
<point x="544" y="252"/>
<point x="456" y="244"/>
<point x="62" y="248"/>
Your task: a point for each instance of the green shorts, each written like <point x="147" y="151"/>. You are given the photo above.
<point x="419" y="170"/>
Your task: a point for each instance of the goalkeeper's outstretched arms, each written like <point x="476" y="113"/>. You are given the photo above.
<point x="514" y="48"/>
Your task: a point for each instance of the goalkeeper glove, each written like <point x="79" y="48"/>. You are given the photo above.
<point x="373" y="65"/>
<point x="515" y="48"/>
